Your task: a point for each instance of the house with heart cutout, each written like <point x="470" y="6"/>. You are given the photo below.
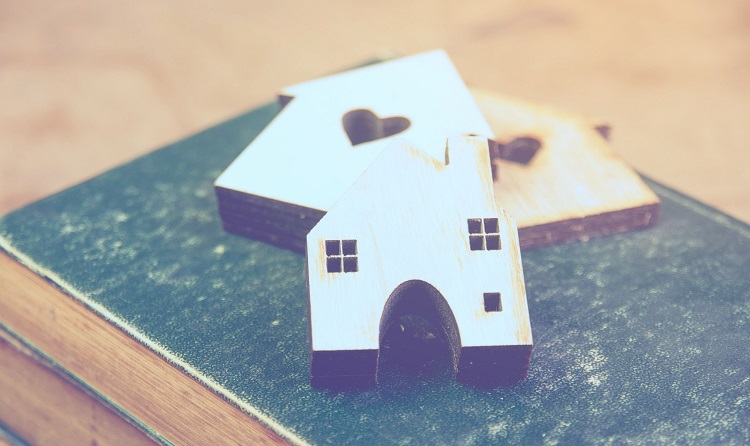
<point x="418" y="234"/>
<point x="329" y="130"/>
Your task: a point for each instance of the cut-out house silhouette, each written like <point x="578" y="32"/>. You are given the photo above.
<point x="327" y="133"/>
<point x="419" y="235"/>
<point x="328" y="130"/>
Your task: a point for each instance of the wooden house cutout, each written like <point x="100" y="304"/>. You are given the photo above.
<point x="562" y="183"/>
<point x="327" y="133"/>
<point x="574" y="187"/>
<point x="418" y="234"/>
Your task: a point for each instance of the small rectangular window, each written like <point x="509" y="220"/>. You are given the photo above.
<point x="491" y="226"/>
<point x="349" y="247"/>
<point x="492" y="302"/>
<point x="475" y="226"/>
<point x="492" y="242"/>
<point x="333" y="247"/>
<point x="341" y="256"/>
<point x="334" y="264"/>
<point x="350" y="264"/>
<point x="476" y="242"/>
<point x="484" y="234"/>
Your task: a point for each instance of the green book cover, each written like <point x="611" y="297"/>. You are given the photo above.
<point x="639" y="337"/>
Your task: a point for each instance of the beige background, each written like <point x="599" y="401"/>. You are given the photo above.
<point x="86" y="85"/>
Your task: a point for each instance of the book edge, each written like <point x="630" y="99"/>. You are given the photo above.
<point x="23" y="346"/>
<point x="99" y="310"/>
<point x="705" y="210"/>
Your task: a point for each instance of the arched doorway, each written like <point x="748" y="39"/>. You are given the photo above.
<point x="420" y="310"/>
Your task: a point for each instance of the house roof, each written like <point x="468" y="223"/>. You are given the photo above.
<point x="304" y="157"/>
<point x="405" y="176"/>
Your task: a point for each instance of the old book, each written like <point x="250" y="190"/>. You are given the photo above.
<point x="129" y="283"/>
<point x="46" y="405"/>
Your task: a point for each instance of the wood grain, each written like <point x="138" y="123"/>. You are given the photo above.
<point x="44" y="406"/>
<point x="573" y="186"/>
<point x="568" y="185"/>
<point x="145" y="385"/>
<point x="87" y="85"/>
<point x="407" y="221"/>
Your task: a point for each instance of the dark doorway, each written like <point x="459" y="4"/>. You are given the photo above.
<point x="418" y="335"/>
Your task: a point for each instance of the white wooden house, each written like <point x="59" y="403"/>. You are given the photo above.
<point x="419" y="235"/>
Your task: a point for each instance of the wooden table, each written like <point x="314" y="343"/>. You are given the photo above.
<point x="87" y="85"/>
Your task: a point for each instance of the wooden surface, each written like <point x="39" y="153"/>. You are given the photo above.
<point x="145" y="385"/>
<point x="86" y="85"/>
<point x="573" y="187"/>
<point x="408" y="215"/>
<point x="44" y="406"/>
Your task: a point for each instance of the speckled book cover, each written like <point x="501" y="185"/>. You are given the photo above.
<point x="639" y="337"/>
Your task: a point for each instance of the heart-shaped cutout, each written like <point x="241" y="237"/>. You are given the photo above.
<point x="362" y="125"/>
<point x="520" y="150"/>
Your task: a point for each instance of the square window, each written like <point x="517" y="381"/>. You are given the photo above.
<point x="484" y="234"/>
<point x="350" y="264"/>
<point x="349" y="247"/>
<point x="491" y="226"/>
<point x="476" y="242"/>
<point x="492" y="242"/>
<point x="341" y="256"/>
<point x="334" y="264"/>
<point x="333" y="247"/>
<point x="475" y="226"/>
<point x="492" y="302"/>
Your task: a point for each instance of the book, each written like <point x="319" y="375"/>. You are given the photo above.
<point x="48" y="406"/>
<point x="128" y="283"/>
